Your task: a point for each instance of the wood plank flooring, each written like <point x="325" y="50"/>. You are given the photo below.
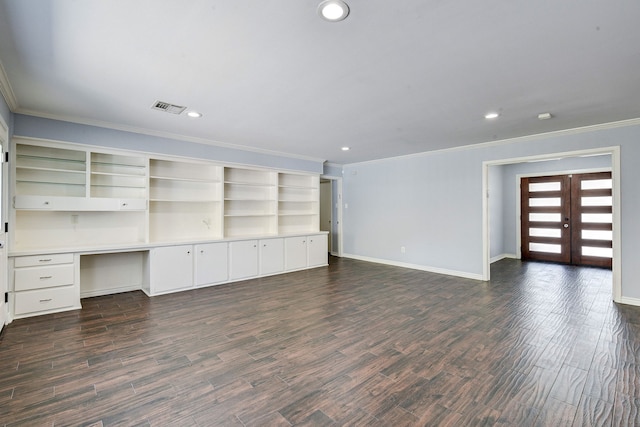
<point x="355" y="343"/>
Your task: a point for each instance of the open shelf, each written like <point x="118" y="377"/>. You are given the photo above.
<point x="178" y="220"/>
<point x="168" y="200"/>
<point x="118" y="176"/>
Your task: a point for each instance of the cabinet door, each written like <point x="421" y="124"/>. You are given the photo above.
<point x="317" y="250"/>
<point x="171" y="268"/>
<point x="295" y="253"/>
<point x="211" y="263"/>
<point x="271" y="256"/>
<point x="243" y="259"/>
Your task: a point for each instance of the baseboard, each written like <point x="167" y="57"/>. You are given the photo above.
<point x="502" y="256"/>
<point x="629" y="301"/>
<point x="437" y="270"/>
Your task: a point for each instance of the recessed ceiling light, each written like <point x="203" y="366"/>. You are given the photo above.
<point x="194" y="114"/>
<point x="333" y="10"/>
<point x="346" y="148"/>
<point x="544" y="116"/>
<point x="491" y="115"/>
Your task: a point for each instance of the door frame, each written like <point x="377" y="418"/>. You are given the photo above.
<point x="614" y="151"/>
<point x="4" y="198"/>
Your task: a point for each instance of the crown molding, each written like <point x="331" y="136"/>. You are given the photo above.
<point x="562" y="132"/>
<point x="7" y="91"/>
<point x="161" y="134"/>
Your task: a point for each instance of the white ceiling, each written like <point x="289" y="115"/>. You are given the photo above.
<point x="394" y="78"/>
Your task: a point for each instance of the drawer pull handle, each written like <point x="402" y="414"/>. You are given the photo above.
<point x="45" y="260"/>
<point x="45" y="277"/>
<point x="46" y="300"/>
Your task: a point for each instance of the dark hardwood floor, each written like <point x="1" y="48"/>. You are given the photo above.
<point x="352" y="344"/>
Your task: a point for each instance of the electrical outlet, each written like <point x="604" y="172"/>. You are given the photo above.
<point x="403" y="249"/>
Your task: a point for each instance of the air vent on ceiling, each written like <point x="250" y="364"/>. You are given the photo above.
<point x="168" y="108"/>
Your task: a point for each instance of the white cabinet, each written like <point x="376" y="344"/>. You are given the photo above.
<point x="44" y="284"/>
<point x="243" y="259"/>
<point x="271" y="256"/>
<point x="295" y="252"/>
<point x="305" y="251"/>
<point x="176" y="268"/>
<point x="211" y="263"/>
<point x="317" y="250"/>
<point x="170" y="269"/>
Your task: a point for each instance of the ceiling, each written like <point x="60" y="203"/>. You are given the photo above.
<point x="394" y="78"/>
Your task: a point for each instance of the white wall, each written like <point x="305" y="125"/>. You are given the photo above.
<point x="432" y="203"/>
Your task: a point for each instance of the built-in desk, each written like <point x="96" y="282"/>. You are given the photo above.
<point x="54" y="280"/>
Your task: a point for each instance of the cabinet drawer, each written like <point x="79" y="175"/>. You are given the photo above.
<point x="132" y="204"/>
<point x="35" y="260"/>
<point x="43" y="277"/>
<point x="44" y="300"/>
<point x="34" y="202"/>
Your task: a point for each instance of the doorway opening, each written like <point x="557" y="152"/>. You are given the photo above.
<point x="567" y="219"/>
<point x="488" y="220"/>
<point x="331" y="212"/>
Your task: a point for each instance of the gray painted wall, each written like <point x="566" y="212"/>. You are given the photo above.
<point x="331" y="169"/>
<point x="432" y="203"/>
<point x="37" y="127"/>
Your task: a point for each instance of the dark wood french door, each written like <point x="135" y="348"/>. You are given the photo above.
<point x="568" y="219"/>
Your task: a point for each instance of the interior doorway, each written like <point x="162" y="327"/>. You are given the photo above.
<point x="568" y="219"/>
<point x="325" y="210"/>
<point x="487" y="229"/>
<point x="331" y="212"/>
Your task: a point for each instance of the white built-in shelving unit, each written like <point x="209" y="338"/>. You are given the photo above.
<point x="157" y="223"/>
<point x="250" y="207"/>
<point x="49" y="171"/>
<point x="185" y="201"/>
<point x="298" y="202"/>
<point x="118" y="176"/>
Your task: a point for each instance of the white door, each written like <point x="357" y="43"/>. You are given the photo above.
<point x="243" y="259"/>
<point x="211" y="263"/>
<point x="271" y="256"/>
<point x="171" y="268"/>
<point x="317" y="250"/>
